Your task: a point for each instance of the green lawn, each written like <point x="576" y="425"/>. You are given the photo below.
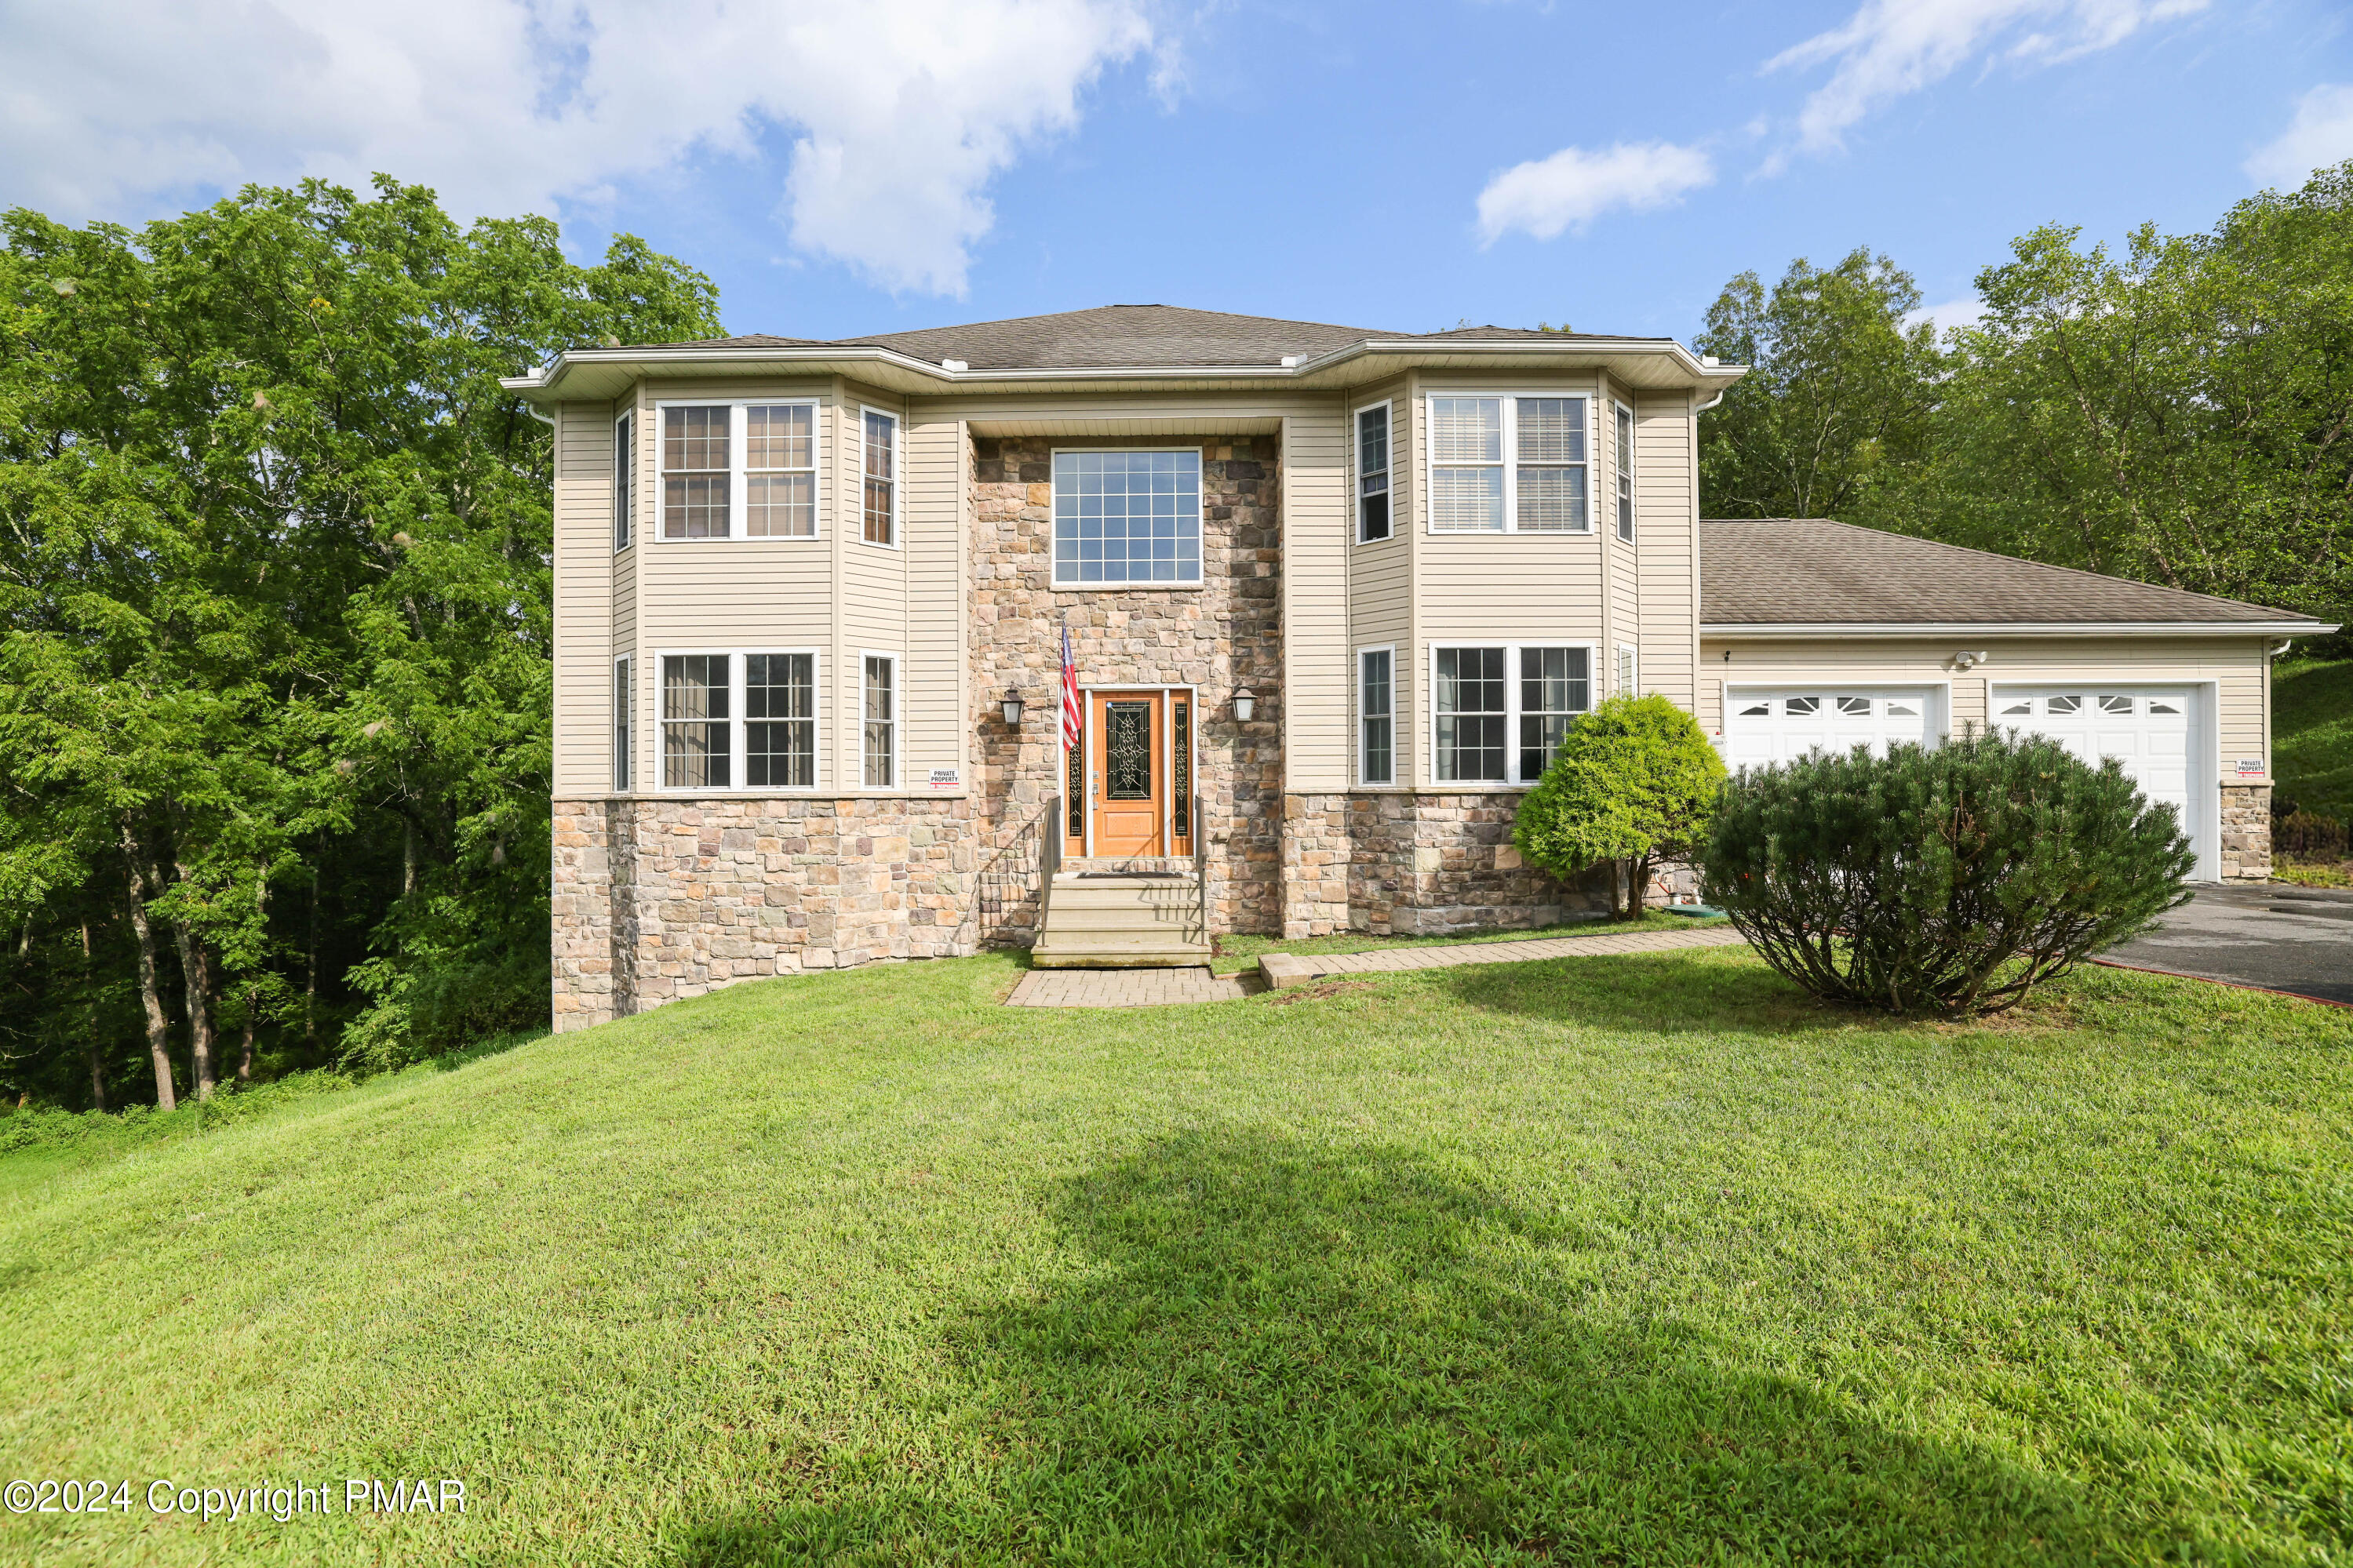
<point x="1632" y="1260"/>
<point x="1236" y="953"/>
<point x="2312" y="735"/>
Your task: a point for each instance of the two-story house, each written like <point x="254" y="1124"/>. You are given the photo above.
<point x="1330" y="596"/>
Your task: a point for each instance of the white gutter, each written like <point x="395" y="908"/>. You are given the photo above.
<point x="545" y="376"/>
<point x="2012" y="629"/>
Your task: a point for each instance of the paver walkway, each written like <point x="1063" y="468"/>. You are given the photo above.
<point x="1167" y="987"/>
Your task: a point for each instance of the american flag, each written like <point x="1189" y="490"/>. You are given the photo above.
<point x="1070" y="717"/>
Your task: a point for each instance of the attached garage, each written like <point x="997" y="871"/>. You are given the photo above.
<point x="1818" y="635"/>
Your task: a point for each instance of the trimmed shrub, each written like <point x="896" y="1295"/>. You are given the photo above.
<point x="1635" y="780"/>
<point x="1949" y="882"/>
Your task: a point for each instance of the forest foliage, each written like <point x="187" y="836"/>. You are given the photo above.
<point x="274" y="691"/>
<point x="274" y="567"/>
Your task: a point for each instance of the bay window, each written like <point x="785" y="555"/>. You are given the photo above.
<point x="880" y="732"/>
<point x="780" y="720"/>
<point x="1498" y="712"/>
<point x="738" y="470"/>
<point x="625" y="480"/>
<point x="1625" y="473"/>
<point x="1375" y="717"/>
<point x="1504" y="464"/>
<point x="780" y="470"/>
<point x="881" y="464"/>
<point x="1372" y="473"/>
<point x="697" y="738"/>
<point x="738" y="720"/>
<point x="696" y="497"/>
<point x="625" y="713"/>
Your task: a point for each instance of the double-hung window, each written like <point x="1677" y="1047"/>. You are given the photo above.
<point x="1500" y="713"/>
<point x="880" y="735"/>
<point x="698" y="740"/>
<point x="738" y="720"/>
<point x="1625" y="473"/>
<point x="625" y="480"/>
<point x="1127" y="518"/>
<point x="738" y="470"/>
<point x="780" y="720"/>
<point x="697" y="499"/>
<point x="780" y="470"/>
<point x="1509" y="465"/>
<point x="881" y="464"/>
<point x="625" y="713"/>
<point x="1372" y="473"/>
<point x="1625" y="669"/>
<point x="1375" y="715"/>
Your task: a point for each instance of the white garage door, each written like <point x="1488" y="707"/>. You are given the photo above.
<point x="1762" y="726"/>
<point x="2146" y="731"/>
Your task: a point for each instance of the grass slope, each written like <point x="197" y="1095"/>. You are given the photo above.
<point x="2312" y="735"/>
<point x="1639" y="1259"/>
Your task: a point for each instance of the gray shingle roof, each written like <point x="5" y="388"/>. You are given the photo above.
<point x="1813" y="572"/>
<point x="1125" y="336"/>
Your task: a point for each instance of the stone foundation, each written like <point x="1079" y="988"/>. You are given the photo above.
<point x="1395" y="864"/>
<point x="2246" y="833"/>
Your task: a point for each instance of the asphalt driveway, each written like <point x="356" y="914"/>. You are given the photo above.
<point x="2279" y="937"/>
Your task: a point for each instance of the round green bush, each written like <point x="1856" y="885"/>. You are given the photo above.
<point x="1634" y="780"/>
<point x="1947" y="882"/>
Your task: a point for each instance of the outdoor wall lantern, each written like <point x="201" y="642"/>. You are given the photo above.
<point x="1011" y="708"/>
<point x="1244" y="703"/>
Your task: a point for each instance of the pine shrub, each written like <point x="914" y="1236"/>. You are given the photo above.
<point x="1947" y="882"/>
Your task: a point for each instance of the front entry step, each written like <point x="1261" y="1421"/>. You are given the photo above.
<point x="1122" y="922"/>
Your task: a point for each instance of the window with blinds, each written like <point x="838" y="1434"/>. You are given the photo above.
<point x="780" y="720"/>
<point x="1372" y="473"/>
<point x="1510" y="465"/>
<point x="881" y="475"/>
<point x="694" y="471"/>
<point x="780" y="470"/>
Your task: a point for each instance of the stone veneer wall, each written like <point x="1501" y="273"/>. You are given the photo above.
<point x="1226" y="634"/>
<point x="2246" y="833"/>
<point x="1401" y="863"/>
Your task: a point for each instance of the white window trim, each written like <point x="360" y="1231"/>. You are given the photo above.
<point x="1629" y="529"/>
<point x="1512" y="709"/>
<point x="1357" y="475"/>
<point x="625" y="484"/>
<point x="1628" y="675"/>
<point x="1356" y="703"/>
<point x="1173" y="584"/>
<point x="1510" y="449"/>
<point x="897" y="785"/>
<point x="898" y="487"/>
<point x="736" y="486"/>
<point x="736" y="722"/>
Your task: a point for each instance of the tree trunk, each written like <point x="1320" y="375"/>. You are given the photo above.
<point x="96" y="1067"/>
<point x="151" y="995"/>
<point x="197" y="968"/>
<point x="310" y="980"/>
<point x="253" y="988"/>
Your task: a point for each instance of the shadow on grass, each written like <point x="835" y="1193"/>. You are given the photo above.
<point x="1657" y="993"/>
<point x="1277" y="1351"/>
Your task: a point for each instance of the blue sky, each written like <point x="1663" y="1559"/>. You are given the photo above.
<point x="924" y="163"/>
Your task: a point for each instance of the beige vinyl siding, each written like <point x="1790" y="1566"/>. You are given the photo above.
<point x="935" y="705"/>
<point x="584" y="571"/>
<point x="2235" y="665"/>
<point x="1666" y="536"/>
<point x="873" y="581"/>
<point x="1380" y="575"/>
<point x="1316" y="531"/>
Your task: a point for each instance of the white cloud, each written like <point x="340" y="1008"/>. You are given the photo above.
<point x="2321" y="135"/>
<point x="1966" y="311"/>
<point x="902" y="111"/>
<point x="1891" y="48"/>
<point x="1572" y="187"/>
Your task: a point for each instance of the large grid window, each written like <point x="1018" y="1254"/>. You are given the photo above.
<point x="1474" y="713"/>
<point x="1625" y="473"/>
<point x="625" y="713"/>
<point x="694" y="471"/>
<point x="1499" y="714"/>
<point x="881" y="473"/>
<point x="1127" y="518"/>
<point x="780" y="470"/>
<point x="697" y="738"/>
<point x="1551" y="470"/>
<point x="1555" y="686"/>
<point x="1375" y="715"/>
<point x="880" y="728"/>
<point x="1372" y="473"/>
<point x="625" y="480"/>
<point x="780" y="720"/>
<point x="1510" y="465"/>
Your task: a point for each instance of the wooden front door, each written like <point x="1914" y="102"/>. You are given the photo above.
<point x="1129" y="782"/>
